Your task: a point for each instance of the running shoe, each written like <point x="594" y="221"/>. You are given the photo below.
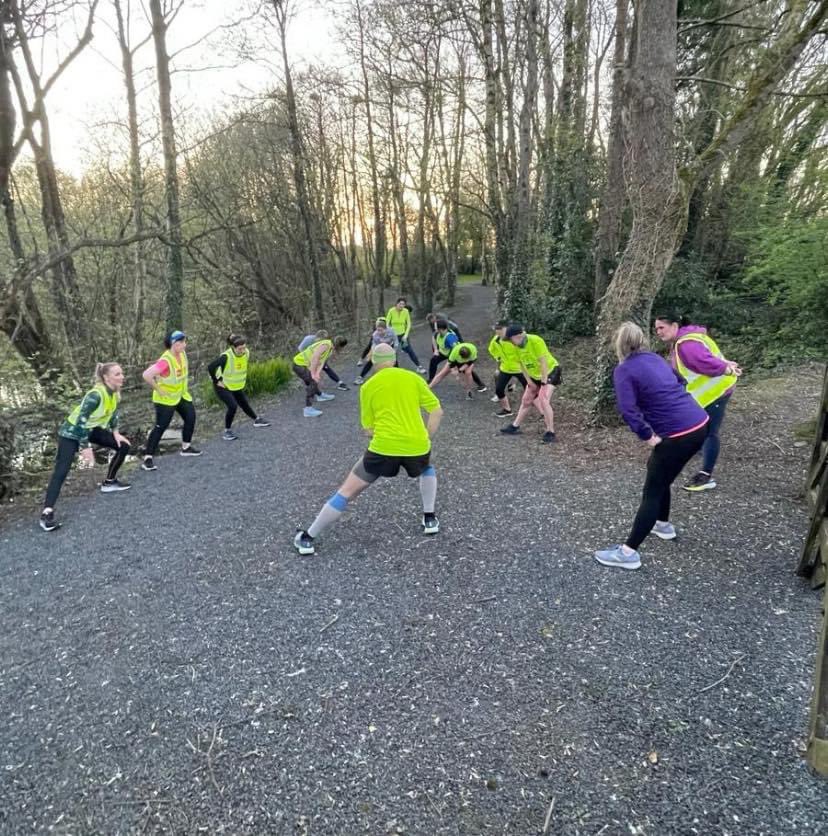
<point x="342" y="386"/>
<point x="358" y="380"/>
<point x="311" y="412"/>
<point x="420" y="370"/>
<point x="190" y="451"/>
<point x="324" y="396"/>
<point x="664" y="530"/>
<point x="510" y="429"/>
<point x="504" y="413"/>
<point x="482" y="388"/>
<point x="113" y="486"/>
<point x="431" y="525"/>
<point x="549" y="437"/>
<point x="494" y="398"/>
<point x="303" y="542"/>
<point x="469" y="396"/>
<point x="260" y="422"/>
<point x="700" y="482"/>
<point x="614" y="556"/>
<point x="148" y="464"/>
<point x="229" y="435"/>
<point x="48" y="521"/>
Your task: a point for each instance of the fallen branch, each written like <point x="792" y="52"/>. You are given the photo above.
<point x="548" y="820"/>
<point x="729" y="671"/>
<point x="330" y="623"/>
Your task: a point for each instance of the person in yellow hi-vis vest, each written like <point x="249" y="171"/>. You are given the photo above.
<point x="308" y="365"/>
<point x="167" y="377"/>
<point x="709" y="378"/>
<point x="229" y="375"/>
<point x="93" y="421"/>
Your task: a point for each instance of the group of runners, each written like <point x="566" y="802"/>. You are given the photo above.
<point x="675" y="407"/>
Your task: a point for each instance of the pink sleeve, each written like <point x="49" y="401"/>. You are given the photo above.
<point x="162" y="367"/>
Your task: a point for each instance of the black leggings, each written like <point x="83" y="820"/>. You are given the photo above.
<point x="435" y="361"/>
<point x="163" y="416"/>
<point x="502" y="381"/>
<point x="370" y="365"/>
<point x="66" y="451"/>
<point x="232" y="400"/>
<point x="664" y="465"/>
<point x="311" y="386"/>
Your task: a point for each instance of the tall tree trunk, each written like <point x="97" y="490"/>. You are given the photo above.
<point x="398" y="187"/>
<point x="136" y="184"/>
<point x="657" y="196"/>
<point x="175" y="264"/>
<point x="299" y="175"/>
<point x="612" y="201"/>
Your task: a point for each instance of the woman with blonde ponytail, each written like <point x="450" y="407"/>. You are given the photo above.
<point x="93" y="421"/>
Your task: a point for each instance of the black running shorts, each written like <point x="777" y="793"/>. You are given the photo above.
<point x="389" y="466"/>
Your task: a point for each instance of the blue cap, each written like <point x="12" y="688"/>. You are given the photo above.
<point x="176" y="336"/>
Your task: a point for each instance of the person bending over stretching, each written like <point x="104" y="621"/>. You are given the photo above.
<point x="308" y="365"/>
<point x="399" y="320"/>
<point x="461" y="364"/>
<point x="381" y="334"/>
<point x="542" y="372"/>
<point x="390" y="410"/>
<point x="309" y="340"/>
<point x="508" y="367"/>
<point x="652" y="400"/>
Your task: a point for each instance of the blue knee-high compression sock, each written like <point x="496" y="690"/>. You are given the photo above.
<point x="428" y="489"/>
<point x="331" y="511"/>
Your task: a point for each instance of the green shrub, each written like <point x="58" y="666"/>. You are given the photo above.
<point x="268" y="376"/>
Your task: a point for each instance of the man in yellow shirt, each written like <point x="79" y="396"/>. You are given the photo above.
<point x="542" y="372"/>
<point x="391" y="405"/>
<point x="399" y="318"/>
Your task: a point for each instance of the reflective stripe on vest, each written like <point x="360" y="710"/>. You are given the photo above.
<point x="440" y="339"/>
<point x="103" y="412"/>
<point x="234" y="375"/>
<point x="304" y="357"/>
<point x="704" y="389"/>
<point x="173" y="386"/>
<point x="454" y="356"/>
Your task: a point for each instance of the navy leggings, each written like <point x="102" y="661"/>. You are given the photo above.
<point x="712" y="444"/>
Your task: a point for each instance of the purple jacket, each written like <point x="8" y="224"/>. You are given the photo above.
<point x="696" y="356"/>
<point x="651" y="397"/>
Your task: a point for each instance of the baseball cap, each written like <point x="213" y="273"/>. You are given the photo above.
<point x="514" y="330"/>
<point x="502" y="323"/>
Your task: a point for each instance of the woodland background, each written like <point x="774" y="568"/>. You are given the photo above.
<point x="593" y="160"/>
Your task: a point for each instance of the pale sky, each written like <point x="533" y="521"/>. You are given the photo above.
<point x="91" y="91"/>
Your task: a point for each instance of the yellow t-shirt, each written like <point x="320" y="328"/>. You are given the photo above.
<point x="531" y="353"/>
<point x="389" y="403"/>
<point x="400" y="321"/>
<point x="506" y="354"/>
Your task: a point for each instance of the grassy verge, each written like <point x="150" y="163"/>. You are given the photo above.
<point x="267" y="376"/>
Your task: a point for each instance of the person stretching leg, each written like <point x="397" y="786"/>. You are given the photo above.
<point x="308" y="365"/>
<point x="508" y="367"/>
<point x="390" y="411"/>
<point x="399" y="320"/>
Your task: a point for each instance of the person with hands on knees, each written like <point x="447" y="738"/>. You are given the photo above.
<point x="542" y="373"/>
<point x="508" y="367"/>
<point x="168" y="379"/>
<point x="710" y="379"/>
<point x="399" y="320"/>
<point x="391" y="404"/>
<point x="461" y="364"/>
<point x="308" y="365"/>
<point x="652" y="400"/>
<point x="381" y="334"/>
<point x="93" y="421"/>
<point x="322" y="334"/>
<point x="229" y="375"/>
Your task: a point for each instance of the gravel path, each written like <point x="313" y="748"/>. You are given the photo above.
<point x="477" y="682"/>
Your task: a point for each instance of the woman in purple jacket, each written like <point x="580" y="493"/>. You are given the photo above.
<point x="652" y="400"/>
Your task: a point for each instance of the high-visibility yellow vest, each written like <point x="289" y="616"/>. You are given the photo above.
<point x="234" y="375"/>
<point x="103" y="412"/>
<point x="173" y="385"/>
<point x="704" y="389"/>
<point x="440" y="340"/>
<point x="304" y="358"/>
<point x="454" y="355"/>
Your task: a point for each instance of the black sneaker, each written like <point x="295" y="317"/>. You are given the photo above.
<point x="303" y="542"/>
<point x="549" y="437"/>
<point x="190" y="451"/>
<point x="113" y="486"/>
<point x="482" y="388"/>
<point x="469" y="396"/>
<point x="504" y="413"/>
<point x="148" y="464"/>
<point x="431" y="525"/>
<point x="510" y="429"/>
<point x="260" y="422"/>
<point x="48" y="521"/>
<point x="229" y="435"/>
<point x="343" y="386"/>
<point x="700" y="482"/>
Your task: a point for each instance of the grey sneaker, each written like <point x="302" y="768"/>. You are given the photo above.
<point x="260" y="422"/>
<point x="311" y="412"/>
<point x="229" y="435"/>
<point x="303" y="543"/>
<point x="358" y="380"/>
<point x="113" y="486"/>
<point x="614" y="556"/>
<point x="664" y="530"/>
<point x="324" y="396"/>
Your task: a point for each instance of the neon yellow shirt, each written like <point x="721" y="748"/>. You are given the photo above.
<point x="506" y="354"/>
<point x="454" y="354"/>
<point x="400" y="321"/>
<point x="531" y="353"/>
<point x="389" y="404"/>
